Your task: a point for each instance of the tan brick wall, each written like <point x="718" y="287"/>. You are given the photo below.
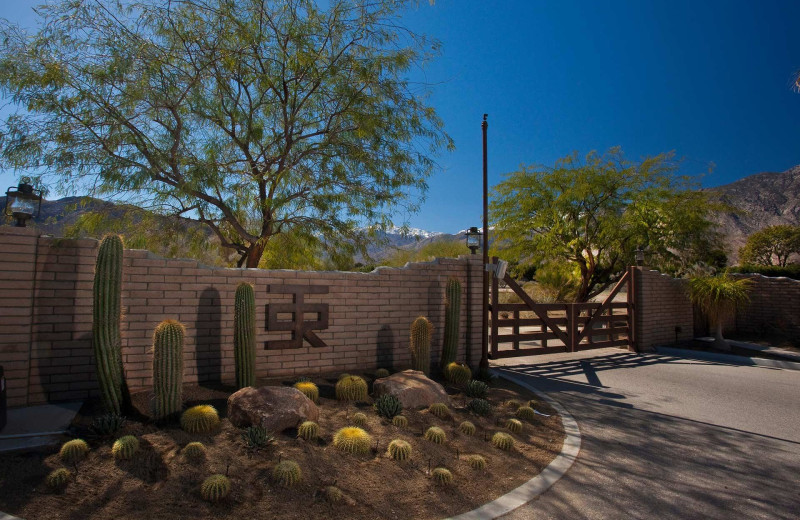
<point x="661" y="306"/>
<point x="46" y="316"/>
<point x="774" y="307"/>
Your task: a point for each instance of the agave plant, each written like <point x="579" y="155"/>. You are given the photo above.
<point x="718" y="297"/>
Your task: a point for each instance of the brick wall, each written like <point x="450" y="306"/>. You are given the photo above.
<point x="46" y="316"/>
<point x="774" y="307"/>
<point x="661" y="306"/>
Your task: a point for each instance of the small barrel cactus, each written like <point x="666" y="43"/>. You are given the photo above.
<point x="200" y="419"/>
<point x="420" y="345"/>
<point x="58" y="478"/>
<point x="215" y="488"/>
<point x="359" y="419"/>
<point x="381" y="372"/>
<point x="514" y="425"/>
<point x="351" y="388"/>
<point x="308" y="430"/>
<point x="442" y="476"/>
<point x="435" y="435"/>
<point x="287" y="473"/>
<point x="194" y="451"/>
<point x="439" y="410"/>
<point x="480" y="407"/>
<point x="457" y="373"/>
<point x="333" y="494"/>
<point x="476" y="462"/>
<point x="257" y="437"/>
<point x="400" y="421"/>
<point x="167" y="369"/>
<point x="467" y="428"/>
<point x="502" y="441"/>
<point x="512" y="403"/>
<point x="353" y="440"/>
<point x="477" y="389"/>
<point x="73" y="451"/>
<point x="526" y="413"/>
<point x="342" y="376"/>
<point x="309" y="389"/>
<point x="388" y="406"/>
<point x="399" y="450"/>
<point x="534" y="403"/>
<point x="125" y="447"/>
<point x="244" y="335"/>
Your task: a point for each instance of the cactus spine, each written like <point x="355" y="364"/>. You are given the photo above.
<point x="106" y="315"/>
<point x="167" y="369"/>
<point x="244" y="335"/>
<point x="452" y="315"/>
<point x="421" y="345"/>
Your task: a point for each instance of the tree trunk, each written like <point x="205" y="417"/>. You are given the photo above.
<point x="719" y="341"/>
<point x="254" y="254"/>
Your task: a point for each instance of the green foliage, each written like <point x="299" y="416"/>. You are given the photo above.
<point x="435" y="435"/>
<point x="452" y="319"/>
<point x="442" y="248"/>
<point x="594" y="214"/>
<point x="58" y="478"/>
<point x="106" y="316"/>
<point x="381" y="373"/>
<point x="351" y="388"/>
<point x="388" y="406"/>
<point x="125" y="447"/>
<point x="477" y="388"/>
<point x="287" y="473"/>
<point x="467" y="428"/>
<point x="480" y="407"/>
<point x="399" y="450"/>
<point x="167" y="369"/>
<point x="719" y="296"/>
<point x="244" y="335"/>
<point x="306" y="125"/>
<point x="400" y="421"/>
<point x="776" y="243"/>
<point x="309" y="389"/>
<point x="525" y="412"/>
<point x="420" y="345"/>
<point x="358" y="419"/>
<point x="194" y="451"/>
<point x="457" y="373"/>
<point x="442" y="476"/>
<point x="790" y="271"/>
<point x="352" y="440"/>
<point x="308" y="430"/>
<point x="257" y="437"/>
<point x="333" y="494"/>
<point x="514" y="426"/>
<point x="215" y="488"/>
<point x="476" y="462"/>
<point x="73" y="451"/>
<point x="439" y="410"/>
<point x="202" y="418"/>
<point x="107" y="424"/>
<point x="502" y="441"/>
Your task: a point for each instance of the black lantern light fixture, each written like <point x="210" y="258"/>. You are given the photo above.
<point x="473" y="239"/>
<point x="23" y="203"/>
<point x="639" y="256"/>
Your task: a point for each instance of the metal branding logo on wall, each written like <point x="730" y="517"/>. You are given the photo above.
<point x="297" y="324"/>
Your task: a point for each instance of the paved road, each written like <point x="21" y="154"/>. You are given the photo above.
<point x="671" y="438"/>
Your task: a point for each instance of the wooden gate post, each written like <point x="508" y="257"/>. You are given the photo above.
<point x="572" y="327"/>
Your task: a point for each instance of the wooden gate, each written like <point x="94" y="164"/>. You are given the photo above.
<point x="529" y="328"/>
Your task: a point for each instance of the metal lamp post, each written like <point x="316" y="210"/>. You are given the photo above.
<point x="484" y="365"/>
<point x="23" y="203"/>
<point x="473" y="239"/>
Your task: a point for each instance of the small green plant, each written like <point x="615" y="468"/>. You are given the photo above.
<point x="399" y="421"/>
<point x="125" y="447"/>
<point x="58" y="478"/>
<point x="512" y="403"/>
<point x="359" y="419"/>
<point x="476" y="462"/>
<point x="719" y="297"/>
<point x="435" y="435"/>
<point x="440" y="410"/>
<point x="309" y="389"/>
<point x="457" y="373"/>
<point x="525" y="412"/>
<point x="73" y="451"/>
<point x="287" y="473"/>
<point x="442" y="476"/>
<point x="388" y="406"/>
<point x="477" y="389"/>
<point x="381" y="372"/>
<point x="308" y="430"/>
<point x="352" y="440"/>
<point x="257" y="438"/>
<point x="399" y="450"/>
<point x="194" y="451"/>
<point x="514" y="426"/>
<point x="420" y="345"/>
<point x="480" y="407"/>
<point x="200" y="419"/>
<point x="107" y="425"/>
<point x="467" y="428"/>
<point x="333" y="494"/>
<point x="351" y="388"/>
<point x="502" y="441"/>
<point x="215" y="488"/>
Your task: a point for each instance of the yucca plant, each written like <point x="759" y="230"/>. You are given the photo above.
<point x="257" y="437"/>
<point x="718" y="297"/>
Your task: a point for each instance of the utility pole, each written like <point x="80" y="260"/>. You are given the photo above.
<point x="484" y="366"/>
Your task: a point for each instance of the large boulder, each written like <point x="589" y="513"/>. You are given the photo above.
<point x="275" y="408"/>
<point x="412" y="388"/>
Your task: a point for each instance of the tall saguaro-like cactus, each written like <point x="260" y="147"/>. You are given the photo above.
<point x="106" y="316"/>
<point x="452" y="316"/>
<point x="421" y="345"/>
<point x="167" y="369"/>
<point x="244" y="335"/>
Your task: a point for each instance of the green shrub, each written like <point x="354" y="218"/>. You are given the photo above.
<point x="388" y="406"/>
<point x="257" y="437"/>
<point x="480" y="407"/>
<point x="107" y="425"/>
<point x="790" y="271"/>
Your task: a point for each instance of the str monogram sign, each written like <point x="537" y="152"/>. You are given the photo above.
<point x="285" y="317"/>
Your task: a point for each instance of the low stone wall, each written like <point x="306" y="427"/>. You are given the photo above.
<point x="663" y="310"/>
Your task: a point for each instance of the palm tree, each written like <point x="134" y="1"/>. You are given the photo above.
<point x="718" y="297"/>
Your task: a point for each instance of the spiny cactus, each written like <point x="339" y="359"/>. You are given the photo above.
<point x="399" y="421"/>
<point x="215" y="488"/>
<point x="351" y="388"/>
<point x="381" y="372"/>
<point x="388" y="406"/>
<point x="353" y="440"/>
<point x="452" y="318"/>
<point x="194" y="451"/>
<point x="358" y="419"/>
<point x="502" y="441"/>
<point x="309" y="389"/>
<point x="167" y="369"/>
<point x="73" y="451"/>
<point x="106" y="316"/>
<point x="442" y="476"/>
<point x="514" y="426"/>
<point x="525" y="412"/>
<point x="480" y="407"/>
<point x="58" y="478"/>
<point x="200" y="419"/>
<point x="476" y="462"/>
<point x="309" y="431"/>
<point x="333" y="494"/>
<point x="287" y="473"/>
<point x="399" y="450"/>
<point x="125" y="447"/>
<point x="467" y="428"/>
<point x="107" y="424"/>
<point x="439" y="410"/>
<point x="435" y="435"/>
<point x="512" y="403"/>
<point x="257" y="437"/>
<point x="534" y="403"/>
<point x="477" y="389"/>
<point x="244" y="335"/>
<point x="342" y="376"/>
<point x="457" y="373"/>
<point x="420" y="344"/>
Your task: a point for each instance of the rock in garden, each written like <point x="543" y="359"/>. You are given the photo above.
<point x="275" y="408"/>
<point x="412" y="388"/>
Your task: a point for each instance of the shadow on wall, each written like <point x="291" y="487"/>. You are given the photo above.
<point x="208" y="348"/>
<point x="386" y="342"/>
<point x="435" y="313"/>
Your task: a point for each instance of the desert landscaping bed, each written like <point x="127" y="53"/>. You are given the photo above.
<point x="160" y="482"/>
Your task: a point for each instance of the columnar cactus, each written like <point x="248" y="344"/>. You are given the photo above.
<point x="106" y="316"/>
<point x="167" y="369"/>
<point x="421" y="345"/>
<point x="452" y="315"/>
<point x="244" y="335"/>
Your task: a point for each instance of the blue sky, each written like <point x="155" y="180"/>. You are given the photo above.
<point x="710" y="80"/>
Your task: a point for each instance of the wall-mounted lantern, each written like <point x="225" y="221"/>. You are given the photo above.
<point x="473" y="239"/>
<point x="639" y="256"/>
<point x="23" y="203"/>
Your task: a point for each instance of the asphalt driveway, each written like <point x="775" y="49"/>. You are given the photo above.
<point x="665" y="437"/>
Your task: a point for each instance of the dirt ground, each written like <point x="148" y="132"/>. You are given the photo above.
<point x="159" y="484"/>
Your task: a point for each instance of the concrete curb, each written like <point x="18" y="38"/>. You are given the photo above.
<point x="731" y="359"/>
<point x="549" y="475"/>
